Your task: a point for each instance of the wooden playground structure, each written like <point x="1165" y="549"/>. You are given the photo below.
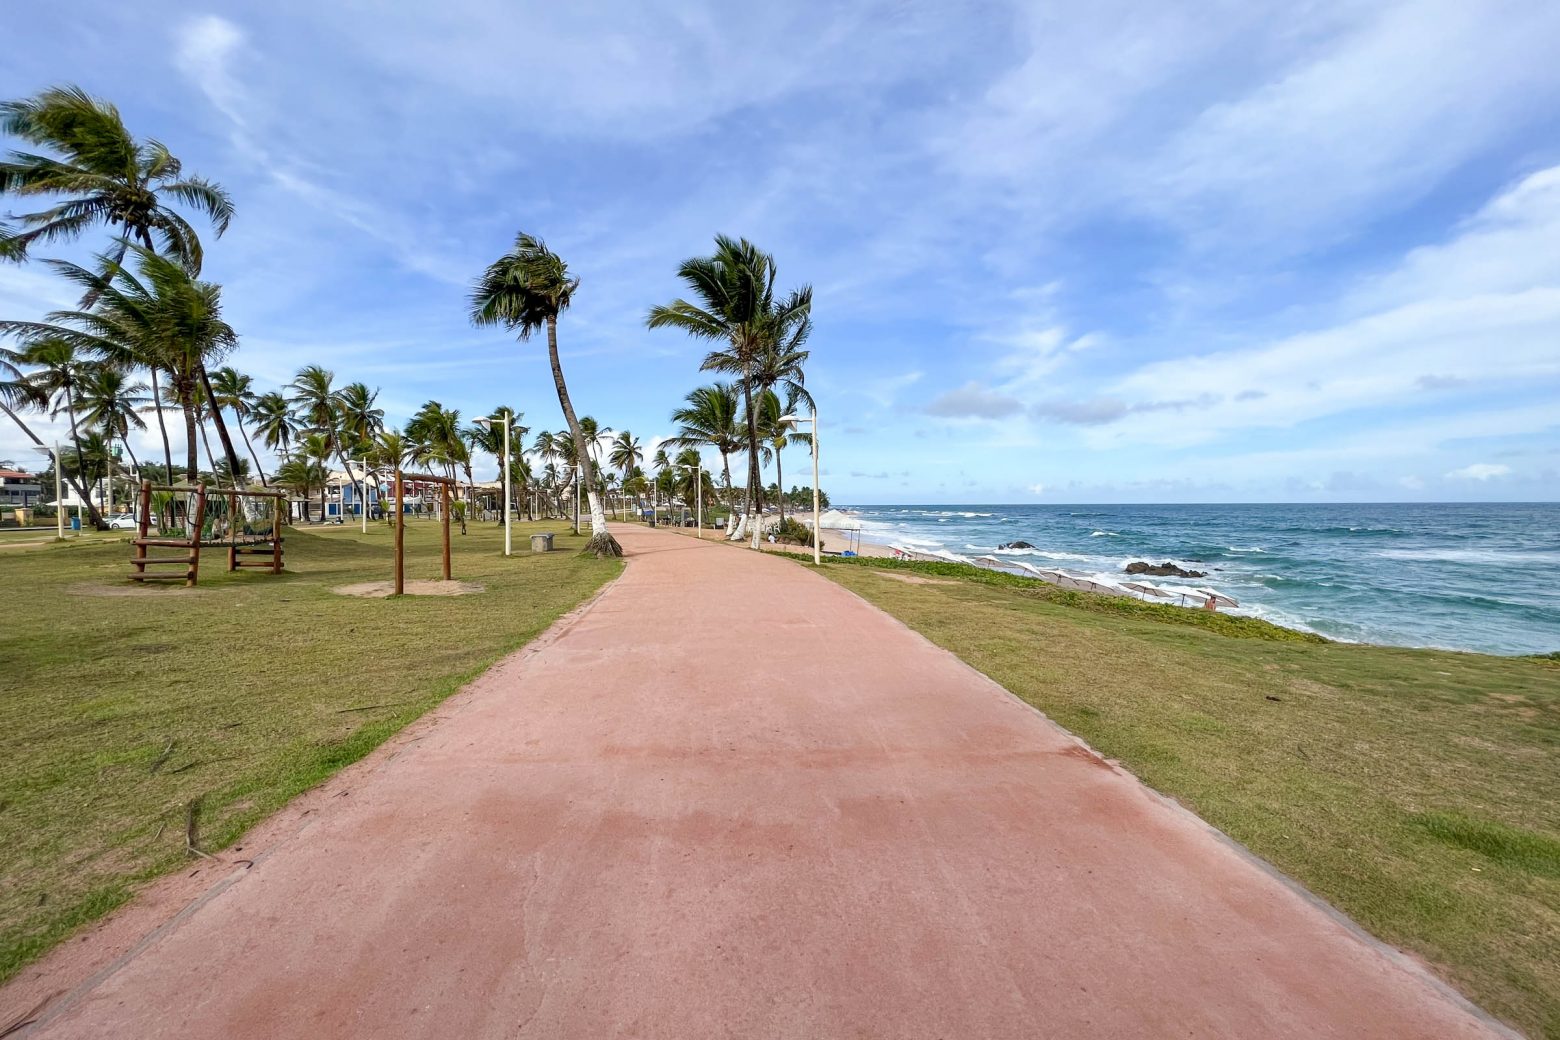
<point x="248" y="524"/>
<point x="445" y="483"/>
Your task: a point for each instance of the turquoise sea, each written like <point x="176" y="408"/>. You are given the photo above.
<point x="1482" y="577"/>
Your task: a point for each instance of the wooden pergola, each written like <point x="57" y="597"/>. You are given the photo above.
<point x="445" y="483"/>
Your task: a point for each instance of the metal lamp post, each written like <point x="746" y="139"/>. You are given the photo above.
<point x="363" y="505"/>
<point x="817" y="534"/>
<point x="508" y="510"/>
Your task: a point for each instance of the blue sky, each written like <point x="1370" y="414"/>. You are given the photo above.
<point x="1060" y="253"/>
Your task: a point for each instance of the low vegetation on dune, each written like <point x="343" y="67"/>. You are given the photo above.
<point x="1413" y="789"/>
<point x="232" y="697"/>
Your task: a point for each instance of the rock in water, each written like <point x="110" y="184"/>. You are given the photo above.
<point x="1015" y="545"/>
<point x="1163" y="570"/>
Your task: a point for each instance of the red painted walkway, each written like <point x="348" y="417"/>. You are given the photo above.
<point x="733" y="800"/>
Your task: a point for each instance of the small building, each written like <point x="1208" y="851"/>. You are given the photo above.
<point x="18" y="488"/>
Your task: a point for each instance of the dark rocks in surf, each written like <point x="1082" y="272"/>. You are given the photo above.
<point x="1015" y="545"/>
<point x="1163" y="570"/>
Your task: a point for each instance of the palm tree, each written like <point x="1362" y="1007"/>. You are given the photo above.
<point x="314" y="453"/>
<point x="662" y="466"/>
<point x="625" y="455"/>
<point x="441" y="439"/>
<point x="274" y="422"/>
<point x="59" y="367"/>
<point x="523" y="291"/>
<point x="777" y="435"/>
<point x="737" y="306"/>
<point x="111" y="402"/>
<point x="18" y="394"/>
<point x="389" y="450"/>
<point x="709" y="419"/>
<point x="302" y="473"/>
<point x="102" y="175"/>
<point x="234" y="391"/>
<point x="158" y="317"/>
<point x="318" y="409"/>
<point x="360" y="421"/>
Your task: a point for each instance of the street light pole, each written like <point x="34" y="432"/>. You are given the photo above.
<point x="508" y="506"/>
<point x="363" y="505"/>
<point x="59" y="496"/>
<point x="698" y="490"/>
<point x="793" y="419"/>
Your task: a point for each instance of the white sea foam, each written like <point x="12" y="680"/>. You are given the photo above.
<point x="1493" y="556"/>
<point x="1047" y="553"/>
<point x="1104" y="534"/>
<point x="1244" y="548"/>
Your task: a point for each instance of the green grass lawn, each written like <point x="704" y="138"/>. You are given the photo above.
<point x="1416" y="790"/>
<point x="120" y="710"/>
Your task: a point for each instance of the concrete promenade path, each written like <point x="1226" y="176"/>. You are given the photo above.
<point x="730" y="799"/>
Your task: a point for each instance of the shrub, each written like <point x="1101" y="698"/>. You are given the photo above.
<point x="791" y="531"/>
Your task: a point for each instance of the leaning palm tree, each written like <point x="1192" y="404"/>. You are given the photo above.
<point x="234" y="391"/>
<point x="523" y="291"/>
<point x="17" y="395"/>
<point x="59" y="367"/>
<point x="101" y="175"/>
<point x="710" y="419"/>
<point x="159" y="317"/>
<point x="735" y="290"/>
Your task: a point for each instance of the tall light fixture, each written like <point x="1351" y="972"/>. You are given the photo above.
<point x="817" y="534"/>
<point x="508" y="511"/>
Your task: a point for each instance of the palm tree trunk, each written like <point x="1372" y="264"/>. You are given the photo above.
<point x="219" y="423"/>
<point x="162" y="427"/>
<point x="191" y="456"/>
<point x="357" y="485"/>
<point x="601" y="541"/>
<point x="212" y="459"/>
<point x="755" y="475"/>
<point x="93" y="516"/>
<point x="259" y="470"/>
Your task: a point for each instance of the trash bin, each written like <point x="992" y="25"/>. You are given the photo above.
<point x="75" y="523"/>
<point x="542" y="542"/>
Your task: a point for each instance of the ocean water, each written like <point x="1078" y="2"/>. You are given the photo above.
<point x="1482" y="577"/>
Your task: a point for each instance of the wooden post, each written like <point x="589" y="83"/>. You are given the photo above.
<point x="142" y="527"/>
<point x="232" y="533"/>
<point x="400" y="533"/>
<point x="276" y="535"/>
<point x="192" y="575"/>
<point x="445" y="501"/>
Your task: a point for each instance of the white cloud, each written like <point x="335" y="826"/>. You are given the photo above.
<point x="1368" y="121"/>
<point x="1480" y="471"/>
<point x="1426" y="325"/>
<point x="973" y="401"/>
